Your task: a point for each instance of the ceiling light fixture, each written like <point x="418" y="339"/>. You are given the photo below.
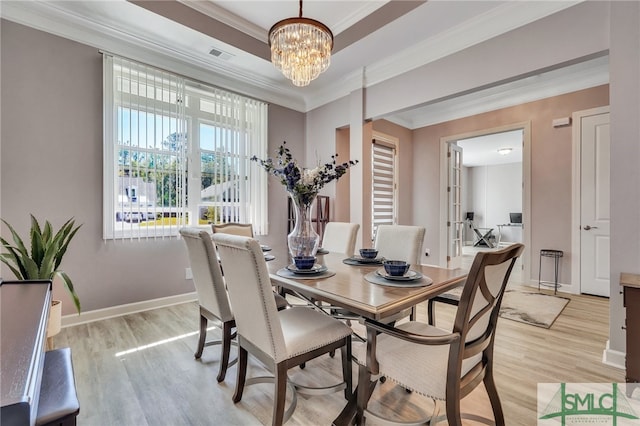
<point x="505" y="151"/>
<point x="300" y="48"/>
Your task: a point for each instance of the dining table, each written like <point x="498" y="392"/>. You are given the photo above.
<point x="360" y="288"/>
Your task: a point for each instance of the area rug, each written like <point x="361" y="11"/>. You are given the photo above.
<point x="536" y="309"/>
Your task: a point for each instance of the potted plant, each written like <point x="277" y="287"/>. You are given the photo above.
<point x="43" y="259"/>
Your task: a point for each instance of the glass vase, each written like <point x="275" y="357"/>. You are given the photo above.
<point x="303" y="239"/>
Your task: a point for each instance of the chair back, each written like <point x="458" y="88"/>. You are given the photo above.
<point x="400" y="242"/>
<point x="207" y="275"/>
<point x="233" y="228"/>
<point x="251" y="294"/>
<point x="479" y="308"/>
<point x="340" y="237"/>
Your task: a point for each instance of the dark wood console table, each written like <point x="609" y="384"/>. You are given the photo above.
<point x="24" y="308"/>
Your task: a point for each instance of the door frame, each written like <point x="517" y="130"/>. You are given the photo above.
<point x="525" y="126"/>
<point x="576" y="199"/>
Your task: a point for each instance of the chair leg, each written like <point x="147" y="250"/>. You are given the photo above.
<point x="490" y="385"/>
<point x="364" y="379"/>
<point x="203" y="336"/>
<point x="453" y="412"/>
<point x="347" y="376"/>
<point x="279" y="394"/>
<point x="430" y="312"/>
<point x="226" y="348"/>
<point x="413" y="315"/>
<point x="242" y="373"/>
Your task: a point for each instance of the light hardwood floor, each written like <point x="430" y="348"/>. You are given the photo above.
<point x="139" y="370"/>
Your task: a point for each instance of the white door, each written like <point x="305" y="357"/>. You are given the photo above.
<point x="455" y="225"/>
<point x="594" y="209"/>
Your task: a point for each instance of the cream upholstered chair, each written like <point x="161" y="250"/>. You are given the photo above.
<point x="400" y="242"/>
<point x="233" y="228"/>
<point x="340" y="237"/>
<point x="212" y="295"/>
<point x="441" y="364"/>
<point x="279" y="339"/>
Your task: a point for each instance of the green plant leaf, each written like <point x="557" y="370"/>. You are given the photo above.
<point x="12" y="259"/>
<point x="47" y="265"/>
<point x="66" y="234"/>
<point x="7" y="258"/>
<point x="35" y="235"/>
<point x="69" y="286"/>
<point x="47" y="251"/>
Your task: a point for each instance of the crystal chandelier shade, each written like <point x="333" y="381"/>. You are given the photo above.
<point x="300" y="48"/>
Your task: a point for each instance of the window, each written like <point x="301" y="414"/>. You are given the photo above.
<point x="383" y="181"/>
<point x="177" y="152"/>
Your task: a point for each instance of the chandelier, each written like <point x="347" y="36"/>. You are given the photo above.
<point x="300" y="48"/>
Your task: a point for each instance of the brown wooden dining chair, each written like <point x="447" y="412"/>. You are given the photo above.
<point x="278" y="339"/>
<point x="440" y="364"/>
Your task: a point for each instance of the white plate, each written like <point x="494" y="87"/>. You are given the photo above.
<point x="316" y="269"/>
<point x="409" y="276"/>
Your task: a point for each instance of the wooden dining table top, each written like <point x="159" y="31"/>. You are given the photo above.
<point x="349" y="289"/>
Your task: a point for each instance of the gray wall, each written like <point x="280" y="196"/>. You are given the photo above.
<point x="51" y="153"/>
<point x="624" y="70"/>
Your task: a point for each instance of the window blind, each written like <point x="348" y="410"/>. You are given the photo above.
<point x="177" y="152"/>
<point x="145" y="144"/>
<point x="383" y="209"/>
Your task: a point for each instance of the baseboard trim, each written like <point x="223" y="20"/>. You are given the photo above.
<point x="129" y="308"/>
<point x="614" y="358"/>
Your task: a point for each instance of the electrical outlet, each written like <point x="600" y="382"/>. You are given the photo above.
<point x="427" y="252"/>
<point x="188" y="275"/>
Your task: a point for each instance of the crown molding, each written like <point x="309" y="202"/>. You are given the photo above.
<point x="45" y="16"/>
<point x="576" y="77"/>
<point x="497" y="21"/>
<point x="216" y="12"/>
<point x="493" y="23"/>
<point x="356" y="16"/>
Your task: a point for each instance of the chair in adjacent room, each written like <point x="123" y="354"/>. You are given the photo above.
<point x="340" y="237"/>
<point x="212" y="295"/>
<point x="440" y="364"/>
<point x="279" y="339"/>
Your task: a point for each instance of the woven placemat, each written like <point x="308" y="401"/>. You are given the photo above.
<point x="285" y="273"/>
<point x="356" y="262"/>
<point x="374" y="278"/>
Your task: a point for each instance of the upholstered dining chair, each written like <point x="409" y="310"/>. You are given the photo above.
<point x="400" y="242"/>
<point x="279" y="339"/>
<point x="233" y="228"/>
<point x="212" y="295"/>
<point x="340" y="237"/>
<point x="441" y="364"/>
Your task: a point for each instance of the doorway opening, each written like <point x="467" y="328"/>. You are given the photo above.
<point x="490" y="203"/>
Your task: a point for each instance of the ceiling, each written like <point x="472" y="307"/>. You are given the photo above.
<point x="483" y="150"/>
<point x="374" y="40"/>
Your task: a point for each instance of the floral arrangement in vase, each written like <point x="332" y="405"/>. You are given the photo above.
<point x="303" y="185"/>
